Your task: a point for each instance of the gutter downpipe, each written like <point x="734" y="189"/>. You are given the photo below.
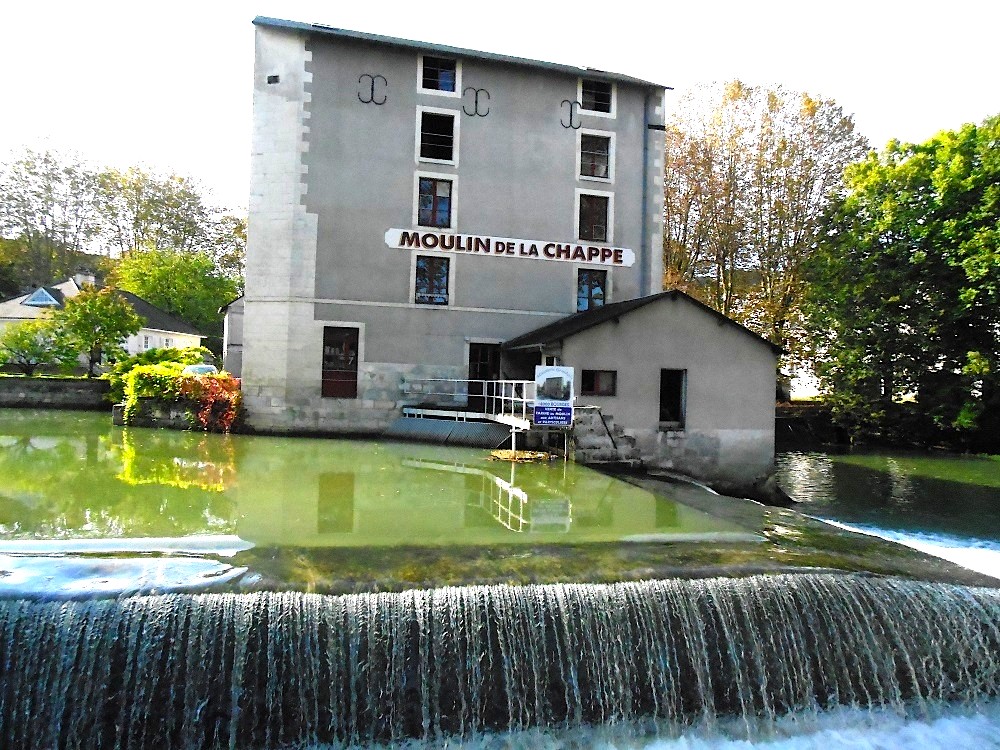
<point x="644" y="263"/>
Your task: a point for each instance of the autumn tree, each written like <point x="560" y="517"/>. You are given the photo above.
<point x="96" y="323"/>
<point x="49" y="207"/>
<point x="141" y="210"/>
<point x="904" y="300"/>
<point x="749" y="172"/>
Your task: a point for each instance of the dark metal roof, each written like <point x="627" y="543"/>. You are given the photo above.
<point x="582" y="321"/>
<point x="443" y="49"/>
<point x="155" y="317"/>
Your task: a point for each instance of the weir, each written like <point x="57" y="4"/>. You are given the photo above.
<point x="269" y="670"/>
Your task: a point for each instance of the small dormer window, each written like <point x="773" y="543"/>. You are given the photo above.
<point x="439" y="75"/>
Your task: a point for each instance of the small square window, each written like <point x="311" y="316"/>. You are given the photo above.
<point x="596" y="96"/>
<point x="598" y="382"/>
<point x="593" y="217"/>
<point x="431" y="280"/>
<point x="437" y="136"/>
<point x="439" y="73"/>
<point x="434" y="203"/>
<point x="595" y="156"/>
<point x="591" y="288"/>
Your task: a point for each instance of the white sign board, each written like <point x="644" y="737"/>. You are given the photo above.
<point x="553" y="396"/>
<point x="505" y="247"/>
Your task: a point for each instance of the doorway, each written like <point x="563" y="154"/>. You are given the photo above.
<point x="484" y="364"/>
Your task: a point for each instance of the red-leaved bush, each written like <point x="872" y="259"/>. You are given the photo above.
<point x="217" y="397"/>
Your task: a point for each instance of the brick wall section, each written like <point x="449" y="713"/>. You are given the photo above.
<point x="54" y="393"/>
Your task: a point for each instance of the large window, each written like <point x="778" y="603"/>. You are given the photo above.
<point x="340" y="362"/>
<point x="430" y="285"/>
<point x="595" y="156"/>
<point x="591" y="288"/>
<point x="598" y="382"/>
<point x="439" y="73"/>
<point x="597" y="96"/>
<point x="434" y="202"/>
<point x="673" y="398"/>
<point x="437" y="136"/>
<point x="593" y="217"/>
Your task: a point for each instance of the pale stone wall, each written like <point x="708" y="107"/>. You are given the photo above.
<point x="278" y="374"/>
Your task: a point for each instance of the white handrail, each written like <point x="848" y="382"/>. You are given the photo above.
<point x="508" y="397"/>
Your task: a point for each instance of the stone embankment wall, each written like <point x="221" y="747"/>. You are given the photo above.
<point x="54" y="393"/>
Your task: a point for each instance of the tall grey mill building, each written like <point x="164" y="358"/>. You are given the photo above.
<point x="420" y="211"/>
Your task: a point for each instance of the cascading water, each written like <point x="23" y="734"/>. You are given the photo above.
<point x="271" y="670"/>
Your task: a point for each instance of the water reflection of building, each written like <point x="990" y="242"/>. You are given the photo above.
<point x="357" y="494"/>
<point x="548" y="510"/>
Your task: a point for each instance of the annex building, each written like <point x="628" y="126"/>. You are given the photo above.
<point x="421" y="213"/>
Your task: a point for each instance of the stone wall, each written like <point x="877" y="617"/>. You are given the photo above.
<point x="54" y="393"/>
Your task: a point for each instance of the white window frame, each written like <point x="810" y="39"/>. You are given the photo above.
<point x="593" y="112"/>
<point x="611" y="154"/>
<point x="412" y="300"/>
<point x="456" y="114"/>
<point x="611" y="214"/>
<point x="609" y="285"/>
<point x="453" y="179"/>
<point x="457" y="93"/>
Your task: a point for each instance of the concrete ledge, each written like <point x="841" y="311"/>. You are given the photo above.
<point x="54" y="393"/>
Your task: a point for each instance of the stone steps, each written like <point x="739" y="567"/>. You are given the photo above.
<point x="593" y="443"/>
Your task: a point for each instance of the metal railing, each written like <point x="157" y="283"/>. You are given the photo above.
<point x="508" y="397"/>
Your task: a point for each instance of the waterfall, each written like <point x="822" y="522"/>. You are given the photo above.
<point x="272" y="670"/>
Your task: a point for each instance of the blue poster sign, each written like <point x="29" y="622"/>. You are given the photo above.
<point x="553" y="396"/>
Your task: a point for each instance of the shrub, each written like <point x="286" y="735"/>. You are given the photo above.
<point x="212" y="402"/>
<point x="161" y="381"/>
<point x="116" y="375"/>
<point x="218" y="399"/>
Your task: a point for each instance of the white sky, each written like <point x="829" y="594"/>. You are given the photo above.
<point x="168" y="84"/>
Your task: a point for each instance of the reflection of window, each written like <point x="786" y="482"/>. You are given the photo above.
<point x="437" y="136"/>
<point x="431" y="281"/>
<point x="438" y="73"/>
<point x="672" y="397"/>
<point x="336" y="503"/>
<point x="593" y="217"/>
<point x="591" y="288"/>
<point x="595" y="156"/>
<point x="599" y="382"/>
<point x="596" y="96"/>
<point x="340" y="362"/>
<point x="434" y="203"/>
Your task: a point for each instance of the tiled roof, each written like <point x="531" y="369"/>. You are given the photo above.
<point x="582" y="321"/>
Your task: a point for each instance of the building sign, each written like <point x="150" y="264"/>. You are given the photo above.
<point x="474" y="244"/>
<point x="553" y="396"/>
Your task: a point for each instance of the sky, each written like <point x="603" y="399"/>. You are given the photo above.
<point x="168" y="85"/>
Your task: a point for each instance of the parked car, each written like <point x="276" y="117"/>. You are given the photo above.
<point x="202" y="369"/>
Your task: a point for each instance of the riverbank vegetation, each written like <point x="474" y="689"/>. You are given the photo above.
<point x="878" y="272"/>
<point x="157" y="236"/>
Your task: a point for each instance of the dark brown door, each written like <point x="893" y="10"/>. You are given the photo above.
<point x="484" y="364"/>
<point x="340" y="362"/>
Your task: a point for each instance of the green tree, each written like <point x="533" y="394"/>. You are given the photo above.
<point x="95" y="323"/>
<point x="48" y="206"/>
<point x="188" y="285"/>
<point x="903" y="299"/>
<point x="31" y="344"/>
<point x="749" y="173"/>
